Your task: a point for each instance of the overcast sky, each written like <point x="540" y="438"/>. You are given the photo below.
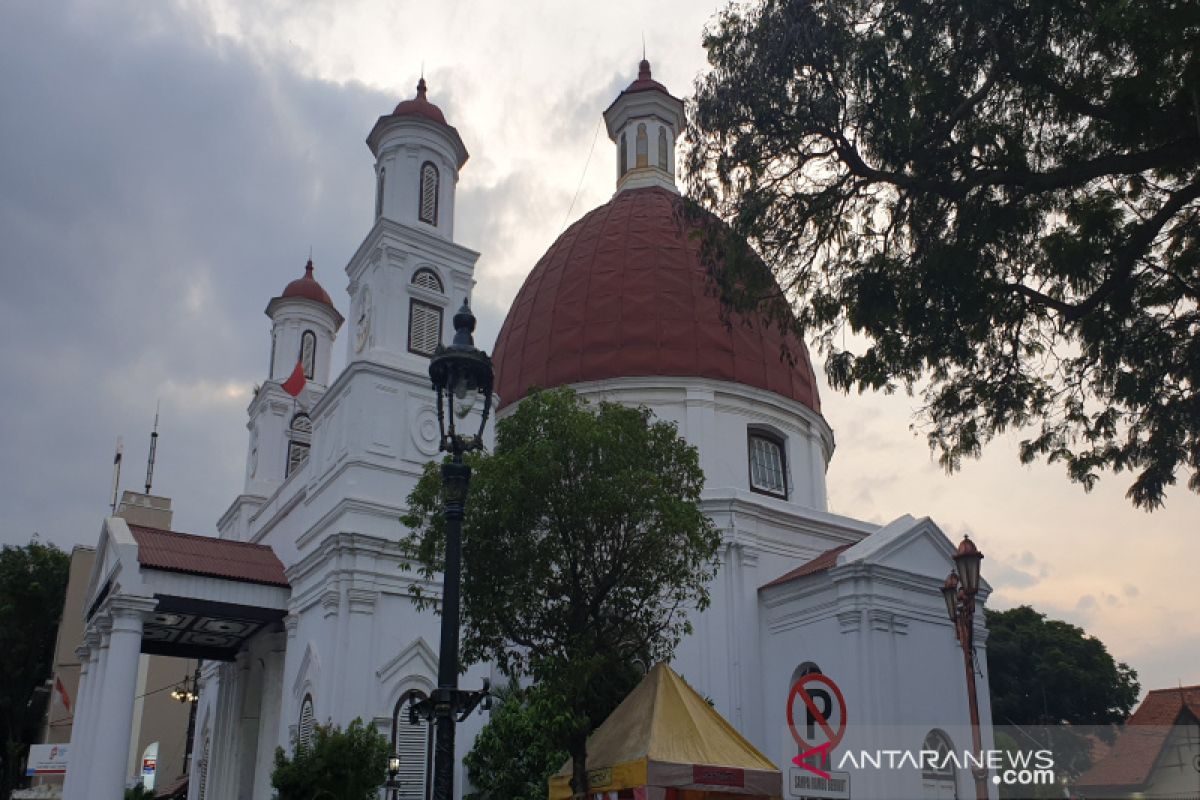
<point x="165" y="168"/>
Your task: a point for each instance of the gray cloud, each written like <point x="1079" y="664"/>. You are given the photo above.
<point x="156" y="189"/>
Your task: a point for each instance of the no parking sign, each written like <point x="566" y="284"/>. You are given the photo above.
<point x="816" y="718"/>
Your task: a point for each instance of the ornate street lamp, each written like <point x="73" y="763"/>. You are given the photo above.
<point x="462" y="375"/>
<point x="959" y="592"/>
<point x="393" y="768"/>
<point x="188" y="692"/>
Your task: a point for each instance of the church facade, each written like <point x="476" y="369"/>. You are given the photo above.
<point x="301" y="606"/>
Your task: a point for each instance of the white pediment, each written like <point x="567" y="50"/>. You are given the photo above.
<point x="115" y="568"/>
<point x="418" y="658"/>
<point x="310" y="670"/>
<point x="914" y="546"/>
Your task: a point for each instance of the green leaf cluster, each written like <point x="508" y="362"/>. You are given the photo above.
<point x="348" y="764"/>
<point x="1047" y="676"/>
<point x="584" y="549"/>
<point x="33" y="587"/>
<point x="999" y="198"/>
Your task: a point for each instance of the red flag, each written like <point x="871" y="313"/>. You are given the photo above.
<point x="62" y="693"/>
<point x="294" y="385"/>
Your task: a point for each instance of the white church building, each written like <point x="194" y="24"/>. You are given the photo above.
<point x="301" y="607"/>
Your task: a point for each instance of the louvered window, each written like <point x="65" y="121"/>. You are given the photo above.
<point x="297" y="455"/>
<point x="428" y="279"/>
<point x="304" y="731"/>
<point x="663" y="161"/>
<point x="301" y="423"/>
<point x="429" y="193"/>
<point x="413" y="742"/>
<point x="412" y="745"/>
<point x="642" y="146"/>
<point x="424" y="327"/>
<point x="308" y="352"/>
<point x="767" y="472"/>
<point x="379" y="192"/>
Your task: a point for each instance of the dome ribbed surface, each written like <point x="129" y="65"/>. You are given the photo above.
<point x="623" y="293"/>
<point x="307" y="287"/>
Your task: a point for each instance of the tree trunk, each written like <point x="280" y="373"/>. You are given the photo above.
<point x="579" y="780"/>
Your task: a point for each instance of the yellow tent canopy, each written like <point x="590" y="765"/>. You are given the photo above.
<point x="664" y="735"/>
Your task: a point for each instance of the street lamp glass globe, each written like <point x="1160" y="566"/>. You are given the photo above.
<point x="950" y="595"/>
<point x="967" y="562"/>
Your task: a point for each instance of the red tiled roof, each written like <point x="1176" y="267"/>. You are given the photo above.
<point x="818" y="564"/>
<point x="1131" y="758"/>
<point x="206" y="555"/>
<point x="624" y="293"/>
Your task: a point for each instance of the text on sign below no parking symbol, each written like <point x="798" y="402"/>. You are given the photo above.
<point x="824" y="718"/>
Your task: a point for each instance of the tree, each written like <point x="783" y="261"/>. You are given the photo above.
<point x="583" y="550"/>
<point x="1047" y="676"/>
<point x="1046" y="671"/>
<point x="1001" y="196"/>
<point x="33" y="587"/>
<point x="517" y="751"/>
<point x="338" y="765"/>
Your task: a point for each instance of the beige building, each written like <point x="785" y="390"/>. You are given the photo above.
<point x="159" y="717"/>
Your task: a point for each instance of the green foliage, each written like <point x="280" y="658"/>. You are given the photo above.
<point x="1002" y="197"/>
<point x="139" y="792"/>
<point x="340" y="765"/>
<point x="33" y="586"/>
<point x="1045" y="674"/>
<point x="517" y="751"/>
<point x="583" y="550"/>
<point x="1045" y="671"/>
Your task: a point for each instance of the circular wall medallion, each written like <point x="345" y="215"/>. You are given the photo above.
<point x="425" y="431"/>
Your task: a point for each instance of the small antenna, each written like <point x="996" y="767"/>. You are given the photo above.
<point x="116" y="475"/>
<point x="643" y="45"/>
<point x="153" y="448"/>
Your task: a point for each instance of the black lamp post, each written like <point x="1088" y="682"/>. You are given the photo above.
<point x="959" y="592"/>
<point x="393" y="767"/>
<point x="461" y="374"/>
<point x="188" y="692"/>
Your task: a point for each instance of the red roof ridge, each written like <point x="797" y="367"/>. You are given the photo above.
<point x="820" y="563"/>
<point x="206" y="537"/>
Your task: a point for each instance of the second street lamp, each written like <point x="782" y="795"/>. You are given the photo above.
<point x="462" y="376"/>
<point x="959" y="592"/>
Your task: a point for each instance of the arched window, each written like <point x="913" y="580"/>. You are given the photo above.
<point x="299" y="439"/>
<point x="623" y="156"/>
<point x="308" y="352"/>
<point x="304" y="727"/>
<point x="643" y="146"/>
<point x="412" y="741"/>
<point x="768" y="463"/>
<point x="379" y="193"/>
<point x="271" y="368"/>
<point x="937" y="768"/>
<point x="663" y="161"/>
<point x="428" y="279"/>
<point x="429" y="193"/>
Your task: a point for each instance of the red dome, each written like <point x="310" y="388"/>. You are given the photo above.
<point x="307" y="287"/>
<point x="420" y="106"/>
<point x="623" y="293"/>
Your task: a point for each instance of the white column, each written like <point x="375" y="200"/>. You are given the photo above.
<point x="268" y="715"/>
<point x="76" y="754"/>
<point x="97" y="636"/>
<point x="110" y="747"/>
